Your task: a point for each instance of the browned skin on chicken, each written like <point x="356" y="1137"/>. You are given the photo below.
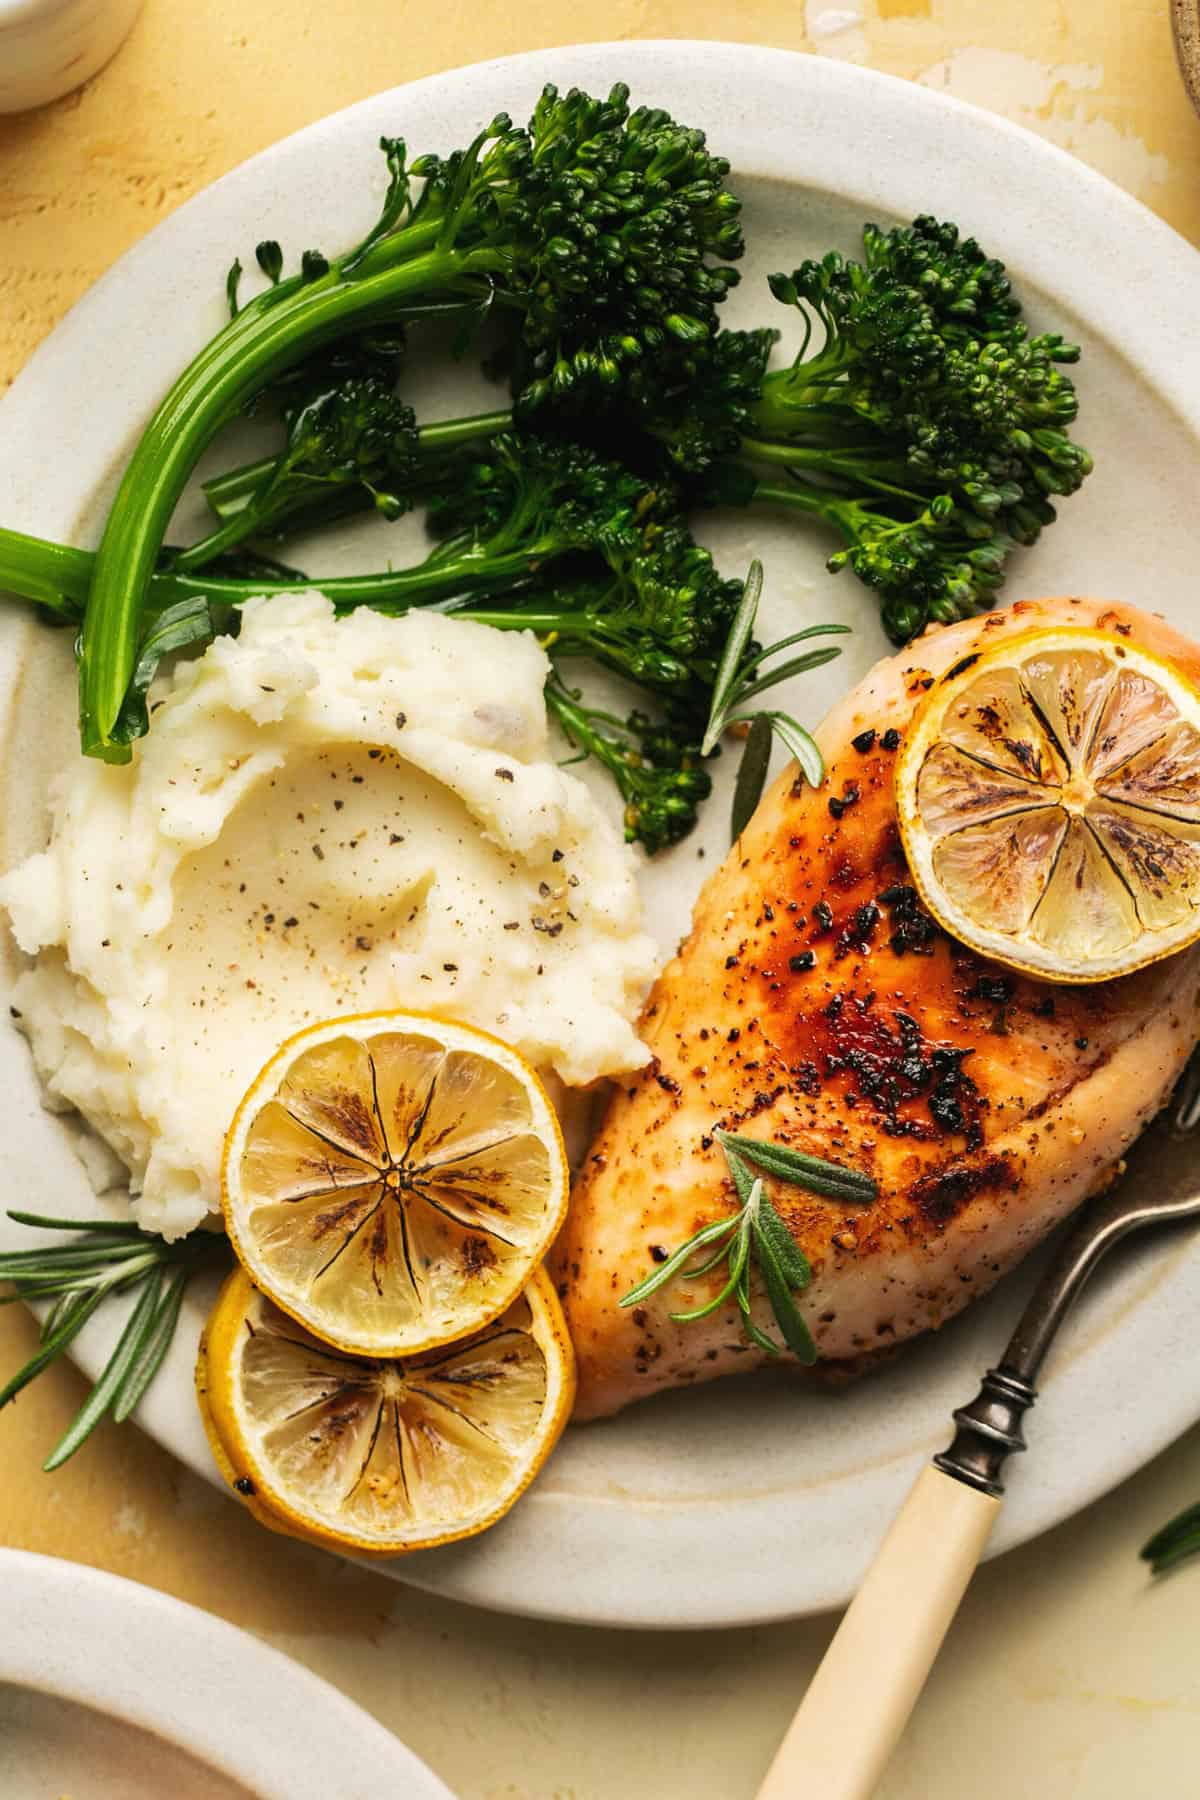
<point x="815" y="1004"/>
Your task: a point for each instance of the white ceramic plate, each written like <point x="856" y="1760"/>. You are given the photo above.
<point x="113" y="1689"/>
<point x="750" y="1501"/>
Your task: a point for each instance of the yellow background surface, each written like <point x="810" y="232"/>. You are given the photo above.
<point x="1069" y="1675"/>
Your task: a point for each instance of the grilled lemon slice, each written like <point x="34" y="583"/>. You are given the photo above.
<point x="382" y="1455"/>
<point x="392" y="1180"/>
<point x="1049" y="803"/>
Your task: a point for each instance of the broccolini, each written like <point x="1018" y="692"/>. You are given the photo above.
<point x="606" y="232"/>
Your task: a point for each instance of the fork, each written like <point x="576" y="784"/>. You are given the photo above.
<point x="860" y="1698"/>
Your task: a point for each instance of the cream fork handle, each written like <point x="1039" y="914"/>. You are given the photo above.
<point x="859" y="1700"/>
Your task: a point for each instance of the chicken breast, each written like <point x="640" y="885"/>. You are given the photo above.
<point x="815" y="1003"/>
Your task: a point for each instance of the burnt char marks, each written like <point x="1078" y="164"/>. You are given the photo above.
<point x="913" y="932"/>
<point x="941" y="1195"/>
<point x="477" y="1257"/>
<point x="857" y="932"/>
<point x="914" y="1088"/>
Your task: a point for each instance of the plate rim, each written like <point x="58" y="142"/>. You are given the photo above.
<point x="928" y="123"/>
<point x="268" y="1704"/>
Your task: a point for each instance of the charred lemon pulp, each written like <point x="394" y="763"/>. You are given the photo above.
<point x="379" y="1454"/>
<point x="392" y="1180"/>
<point x="1049" y="803"/>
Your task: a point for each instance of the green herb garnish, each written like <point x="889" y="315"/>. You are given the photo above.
<point x="110" y="1257"/>
<point x="1174" y="1543"/>
<point x="756" y="1235"/>
<point x="740" y="679"/>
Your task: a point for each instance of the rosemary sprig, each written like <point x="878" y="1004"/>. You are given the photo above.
<point x="108" y="1257"/>
<point x="740" y="679"/>
<point x="756" y="1236"/>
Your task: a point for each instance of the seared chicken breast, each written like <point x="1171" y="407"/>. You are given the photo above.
<point x="815" y="1003"/>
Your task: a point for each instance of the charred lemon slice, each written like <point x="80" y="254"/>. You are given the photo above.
<point x="392" y="1180"/>
<point x="382" y="1454"/>
<point x="1049" y="801"/>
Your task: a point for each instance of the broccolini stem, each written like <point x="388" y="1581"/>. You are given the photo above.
<point x="571" y="625"/>
<point x="791" y="395"/>
<point x="799" y="498"/>
<point x="250" y="520"/>
<point x="226" y="537"/>
<point x="416" y="240"/>
<point x="450" y="434"/>
<point x="37" y="570"/>
<point x="59" y="578"/>
<point x="266" y="337"/>
<point x="51" y="574"/>
<point x="577" y="724"/>
<point x="845" y="515"/>
<point x="860" y="467"/>
<point x="229" y="493"/>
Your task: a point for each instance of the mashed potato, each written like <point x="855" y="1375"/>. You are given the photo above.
<point x="327" y="816"/>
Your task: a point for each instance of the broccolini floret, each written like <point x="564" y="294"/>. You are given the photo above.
<point x="642" y="597"/>
<point x="920" y="421"/>
<point x="655" y="763"/>
<point x="354" y="437"/>
<point x="927" y="427"/>
<point x="602" y="232"/>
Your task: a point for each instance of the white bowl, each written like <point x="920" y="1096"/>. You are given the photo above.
<point x="138" y="1690"/>
<point x="48" y="47"/>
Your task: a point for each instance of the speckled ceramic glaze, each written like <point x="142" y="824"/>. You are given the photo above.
<point x="233" y="1717"/>
<point x="756" y="1500"/>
